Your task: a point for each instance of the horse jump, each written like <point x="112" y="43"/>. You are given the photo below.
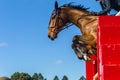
<point x="107" y="62"/>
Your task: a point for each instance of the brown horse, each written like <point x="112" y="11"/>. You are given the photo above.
<point x="86" y="21"/>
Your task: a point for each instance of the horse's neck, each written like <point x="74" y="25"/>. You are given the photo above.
<point x="75" y="15"/>
<point x="81" y="19"/>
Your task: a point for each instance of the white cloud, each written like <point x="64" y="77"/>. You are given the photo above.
<point x="59" y="62"/>
<point x="2" y="44"/>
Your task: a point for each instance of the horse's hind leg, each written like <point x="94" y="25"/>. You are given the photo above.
<point x="76" y="48"/>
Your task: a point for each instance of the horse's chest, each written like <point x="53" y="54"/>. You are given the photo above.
<point x="89" y="31"/>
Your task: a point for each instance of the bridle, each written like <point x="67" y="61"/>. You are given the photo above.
<point x="56" y="26"/>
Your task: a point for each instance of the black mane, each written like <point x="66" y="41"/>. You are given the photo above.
<point x="79" y="7"/>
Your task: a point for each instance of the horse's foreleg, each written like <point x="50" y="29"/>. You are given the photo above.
<point x="75" y="47"/>
<point x="83" y="38"/>
<point x="80" y="44"/>
<point x="78" y="53"/>
<point x="86" y="39"/>
<point x="88" y="42"/>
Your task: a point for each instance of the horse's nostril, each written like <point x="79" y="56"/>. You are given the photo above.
<point x="49" y="36"/>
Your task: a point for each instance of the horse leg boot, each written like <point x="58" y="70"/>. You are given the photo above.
<point x="79" y="55"/>
<point x="78" y="52"/>
<point x="83" y="49"/>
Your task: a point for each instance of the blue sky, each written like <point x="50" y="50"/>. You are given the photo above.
<point x="25" y="46"/>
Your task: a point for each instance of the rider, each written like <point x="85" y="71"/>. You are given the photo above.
<point x="107" y="5"/>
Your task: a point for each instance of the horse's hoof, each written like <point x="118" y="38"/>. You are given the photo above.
<point x="87" y="58"/>
<point x="91" y="52"/>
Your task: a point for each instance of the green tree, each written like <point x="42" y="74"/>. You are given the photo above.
<point x="25" y="76"/>
<point x="37" y="76"/>
<point x="65" y="77"/>
<point x="82" y="78"/>
<point x="56" y="78"/>
<point x="20" y="76"/>
<point x="15" y="76"/>
<point x="40" y="76"/>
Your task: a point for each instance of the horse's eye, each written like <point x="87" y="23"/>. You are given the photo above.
<point x="53" y="17"/>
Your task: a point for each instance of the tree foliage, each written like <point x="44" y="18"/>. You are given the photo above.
<point x="37" y="76"/>
<point x="82" y="78"/>
<point x="15" y="76"/>
<point x="20" y="76"/>
<point x="56" y="78"/>
<point x="65" y="77"/>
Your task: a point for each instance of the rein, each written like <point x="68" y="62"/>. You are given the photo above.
<point x="67" y="26"/>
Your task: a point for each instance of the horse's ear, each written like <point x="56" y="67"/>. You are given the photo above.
<point x="56" y="5"/>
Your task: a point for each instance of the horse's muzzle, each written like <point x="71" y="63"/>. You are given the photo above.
<point x="50" y="37"/>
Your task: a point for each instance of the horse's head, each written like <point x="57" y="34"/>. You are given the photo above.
<point x="57" y="22"/>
